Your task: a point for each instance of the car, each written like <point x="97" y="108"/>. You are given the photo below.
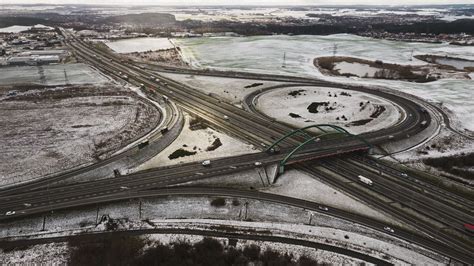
<point x="226" y="117"/>
<point x="199" y="173"/>
<point x="206" y="163"/>
<point x="389" y="229"/>
<point x="263" y="144"/>
<point x="258" y="163"/>
<point x="233" y="167"/>
<point x="8" y="213"/>
<point x="323" y="208"/>
<point x="404" y="175"/>
<point x="27" y="204"/>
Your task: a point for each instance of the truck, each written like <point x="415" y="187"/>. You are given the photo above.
<point x="143" y="144"/>
<point x="164" y="130"/>
<point x="365" y="180"/>
<point x="423" y="123"/>
<point x="469" y="227"/>
<point x="206" y="163"/>
<point x="165" y="98"/>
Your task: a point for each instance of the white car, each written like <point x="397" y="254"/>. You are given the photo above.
<point x="388" y="229"/>
<point x="206" y="163"/>
<point x="258" y="163"/>
<point x="404" y="175"/>
<point x="323" y="208"/>
<point x="8" y="213"/>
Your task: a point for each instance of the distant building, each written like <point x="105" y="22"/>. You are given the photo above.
<point x="33" y="60"/>
<point x="43" y="52"/>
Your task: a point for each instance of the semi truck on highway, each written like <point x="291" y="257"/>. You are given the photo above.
<point x="469" y="227"/>
<point x="365" y="180"/>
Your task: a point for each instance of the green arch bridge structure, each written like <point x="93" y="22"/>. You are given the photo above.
<point x="309" y="138"/>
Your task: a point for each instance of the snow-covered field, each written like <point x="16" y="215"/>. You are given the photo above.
<point x="140" y="45"/>
<point x="45" y="131"/>
<point x="43" y="254"/>
<point x="354" y="106"/>
<point x="264" y="54"/>
<point x="228" y="89"/>
<point x="52" y="75"/>
<point x="198" y="141"/>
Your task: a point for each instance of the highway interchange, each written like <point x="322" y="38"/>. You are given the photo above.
<point x="440" y="214"/>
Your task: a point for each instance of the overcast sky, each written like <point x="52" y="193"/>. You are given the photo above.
<point x="240" y="2"/>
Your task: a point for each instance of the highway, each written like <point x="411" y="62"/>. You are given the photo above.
<point x="436" y="206"/>
<point x="253" y="128"/>
<point x="442" y="248"/>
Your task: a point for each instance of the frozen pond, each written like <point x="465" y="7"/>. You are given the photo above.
<point x="59" y="74"/>
<point x="264" y="54"/>
<point x="458" y="64"/>
<point x="140" y="45"/>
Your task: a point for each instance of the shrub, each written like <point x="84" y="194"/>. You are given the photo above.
<point x="218" y="202"/>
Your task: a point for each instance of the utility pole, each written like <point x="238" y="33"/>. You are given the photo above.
<point x="334" y="50"/>
<point x="44" y="222"/>
<point x="246" y="207"/>
<point x="97" y="215"/>
<point x="411" y="56"/>
<point x="284" y="60"/>
<point x="66" y="79"/>
<point x="140" y="208"/>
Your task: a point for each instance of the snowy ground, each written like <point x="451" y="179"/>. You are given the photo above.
<point x="198" y="141"/>
<point x="298" y="184"/>
<point x="140" y="45"/>
<point x="444" y="144"/>
<point x="280" y="104"/>
<point x="360" y="70"/>
<point x="44" y="254"/>
<point x="228" y="89"/>
<point x="52" y="75"/>
<point x="265" y="54"/>
<point x="47" y="130"/>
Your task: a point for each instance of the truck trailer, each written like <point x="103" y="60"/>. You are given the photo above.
<point x="365" y="180"/>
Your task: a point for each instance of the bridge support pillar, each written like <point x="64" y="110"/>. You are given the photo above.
<point x="272" y="173"/>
